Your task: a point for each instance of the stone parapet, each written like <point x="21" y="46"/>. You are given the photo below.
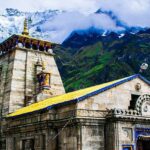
<point x="52" y="116"/>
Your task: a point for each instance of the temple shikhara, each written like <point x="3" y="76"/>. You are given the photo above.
<point x="37" y="114"/>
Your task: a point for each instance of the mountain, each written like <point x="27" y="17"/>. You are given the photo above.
<point x="89" y="54"/>
<point x="52" y="25"/>
<point x="77" y="39"/>
<point x="11" y="22"/>
<point x="102" y="58"/>
<point x="118" y="21"/>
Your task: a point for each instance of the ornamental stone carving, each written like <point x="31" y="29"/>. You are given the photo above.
<point x="143" y="105"/>
<point x="138" y="87"/>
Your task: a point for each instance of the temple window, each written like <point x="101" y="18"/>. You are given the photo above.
<point x="34" y="46"/>
<point x="27" y="45"/>
<point x="134" y="98"/>
<point x="41" y="48"/>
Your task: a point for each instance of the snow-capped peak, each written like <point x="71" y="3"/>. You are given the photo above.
<point x="11" y="22"/>
<point x="56" y="25"/>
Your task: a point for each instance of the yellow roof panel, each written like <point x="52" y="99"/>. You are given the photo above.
<point x="61" y="98"/>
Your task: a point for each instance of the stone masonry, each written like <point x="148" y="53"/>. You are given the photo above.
<point x="18" y="78"/>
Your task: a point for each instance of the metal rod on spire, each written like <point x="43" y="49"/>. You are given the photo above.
<point x="25" y="30"/>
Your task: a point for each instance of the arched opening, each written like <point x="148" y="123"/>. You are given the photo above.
<point x="35" y="47"/>
<point x="41" y="48"/>
<point x="27" y="45"/>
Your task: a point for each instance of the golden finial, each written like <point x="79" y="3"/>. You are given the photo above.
<point x="25" y="30"/>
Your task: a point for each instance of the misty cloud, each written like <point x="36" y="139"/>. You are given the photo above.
<point x="65" y="23"/>
<point x="85" y="6"/>
<point x="133" y="12"/>
<point x="79" y="14"/>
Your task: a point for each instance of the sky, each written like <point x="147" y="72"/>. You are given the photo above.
<point x="79" y="14"/>
<point x="133" y="12"/>
<point x="40" y="5"/>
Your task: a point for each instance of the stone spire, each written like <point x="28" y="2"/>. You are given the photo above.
<point x="25" y="30"/>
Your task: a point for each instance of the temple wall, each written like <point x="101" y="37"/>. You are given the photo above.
<point x="84" y="137"/>
<point x="49" y="134"/>
<point x="18" y="78"/>
<point x="117" y="97"/>
<point x="93" y="137"/>
<point x="67" y="138"/>
<point x="6" y="67"/>
<point x="23" y="141"/>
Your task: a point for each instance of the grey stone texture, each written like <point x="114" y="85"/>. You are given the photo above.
<point x="18" y="78"/>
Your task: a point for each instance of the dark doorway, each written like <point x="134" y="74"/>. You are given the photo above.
<point x="146" y="145"/>
<point x="28" y="144"/>
<point x="143" y="145"/>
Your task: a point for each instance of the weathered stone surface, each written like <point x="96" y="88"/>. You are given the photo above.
<point x="19" y="76"/>
<point x="117" y="97"/>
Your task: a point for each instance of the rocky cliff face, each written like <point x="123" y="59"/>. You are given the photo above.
<point x="100" y="59"/>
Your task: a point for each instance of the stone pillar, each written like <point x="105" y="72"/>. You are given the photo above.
<point x="79" y="137"/>
<point x="9" y="143"/>
<point x="116" y="137"/>
<point x="112" y="136"/>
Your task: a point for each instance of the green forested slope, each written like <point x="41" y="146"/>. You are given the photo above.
<point x="107" y="59"/>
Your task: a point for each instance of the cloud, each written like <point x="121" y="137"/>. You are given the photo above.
<point x="133" y="12"/>
<point x="61" y="27"/>
<point x="79" y="14"/>
<point x="85" y="6"/>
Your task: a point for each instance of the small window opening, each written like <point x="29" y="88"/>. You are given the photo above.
<point x="134" y="98"/>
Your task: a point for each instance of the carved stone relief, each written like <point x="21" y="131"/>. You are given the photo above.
<point x="127" y="134"/>
<point x="143" y="105"/>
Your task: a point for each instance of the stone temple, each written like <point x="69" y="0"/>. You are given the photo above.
<point x="37" y="114"/>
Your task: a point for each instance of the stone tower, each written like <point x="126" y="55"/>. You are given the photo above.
<point x="28" y="72"/>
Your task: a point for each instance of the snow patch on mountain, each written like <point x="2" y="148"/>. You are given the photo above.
<point x="11" y="22"/>
<point x="57" y="25"/>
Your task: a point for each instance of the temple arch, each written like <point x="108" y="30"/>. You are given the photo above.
<point x="143" y="105"/>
